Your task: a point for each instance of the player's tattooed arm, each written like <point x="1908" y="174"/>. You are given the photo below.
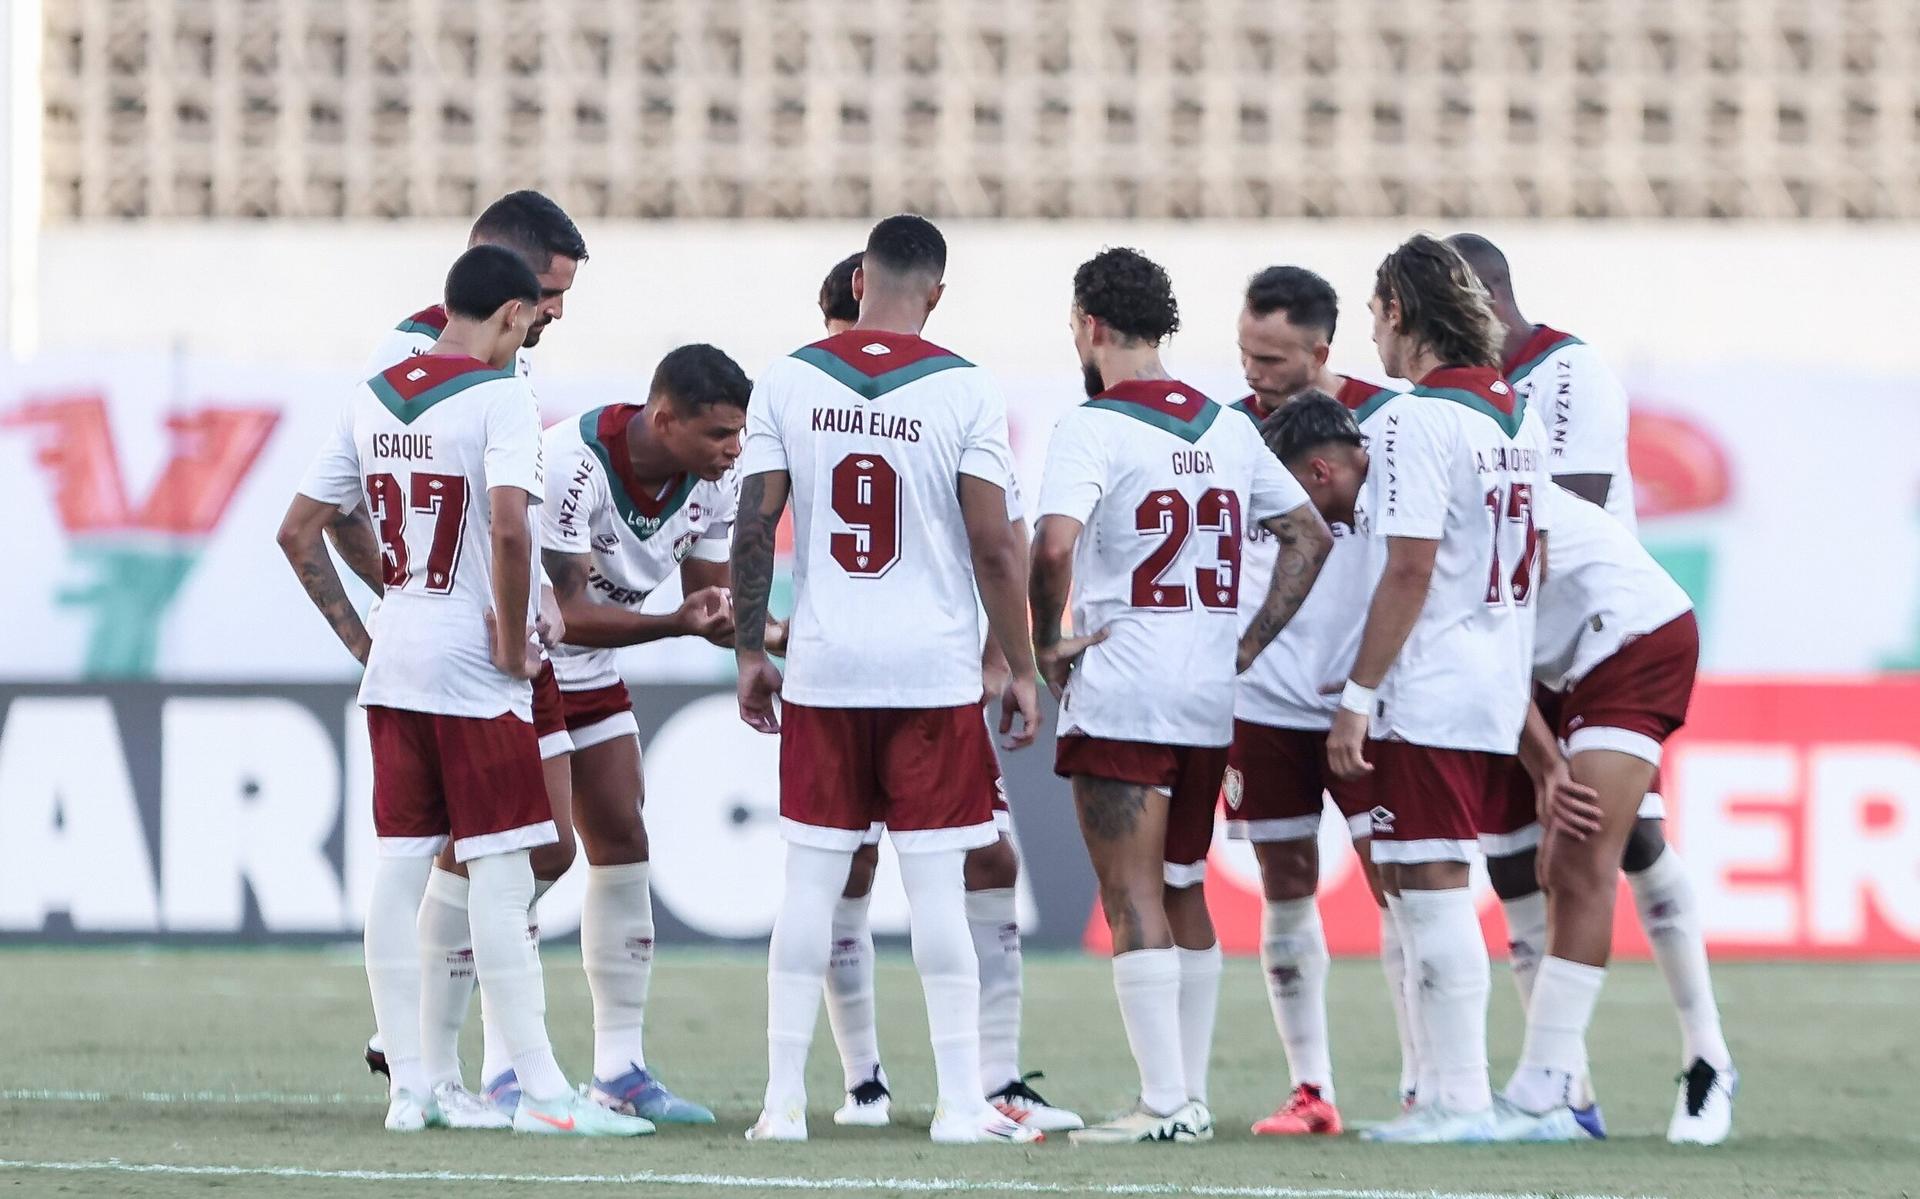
<point x="763" y="497"/>
<point x="303" y="541"/>
<point x="1304" y="543"/>
<point x="353" y="539"/>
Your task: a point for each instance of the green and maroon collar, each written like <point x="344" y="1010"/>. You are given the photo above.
<point x="1541" y="343"/>
<point x="411" y="387"/>
<point x="1166" y="404"/>
<point x="872" y="362"/>
<point x="604" y="430"/>
<point x="1480" y="388"/>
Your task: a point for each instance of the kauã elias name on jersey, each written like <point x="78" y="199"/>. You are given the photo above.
<point x="861" y="420"/>
<point x="403" y="445"/>
<point x="1193" y="462"/>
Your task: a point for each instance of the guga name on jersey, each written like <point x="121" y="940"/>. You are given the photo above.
<point x="866" y="421"/>
<point x="1192" y="462"/>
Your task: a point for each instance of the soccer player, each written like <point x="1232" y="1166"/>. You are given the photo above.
<point x="1435" y="702"/>
<point x="895" y="454"/>
<point x="1584" y="409"/>
<point x="1146" y="489"/>
<point x="1276" y="772"/>
<point x="541" y="233"/>
<point x="456" y="758"/>
<point x="635" y="493"/>
<point x="1617" y="646"/>
<point x="992" y="875"/>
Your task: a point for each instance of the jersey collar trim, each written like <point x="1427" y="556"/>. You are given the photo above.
<point x="1363" y="399"/>
<point x="431" y="322"/>
<point x="1541" y="344"/>
<point x="1479" y="388"/>
<point x="874" y="362"/>
<point x="407" y="389"/>
<point x="604" y="432"/>
<point x="1165" y="404"/>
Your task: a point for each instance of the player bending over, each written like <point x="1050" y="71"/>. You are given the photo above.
<point x="1585" y="409"/>
<point x="1159" y="479"/>
<point x="895" y="454"/>
<point x="1276" y="770"/>
<point x="456" y="759"/>
<point x="1437" y="695"/>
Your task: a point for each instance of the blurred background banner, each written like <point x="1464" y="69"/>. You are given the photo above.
<point x="211" y="210"/>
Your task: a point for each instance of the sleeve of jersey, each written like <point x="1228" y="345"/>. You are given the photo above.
<point x="1275" y="491"/>
<point x="1546" y="494"/>
<point x="1413" y="467"/>
<point x="763" y="451"/>
<point x="1076" y="471"/>
<point x="334" y="475"/>
<point x="1591" y="416"/>
<point x="988" y="451"/>
<point x="572" y="492"/>
<point x="514" y="454"/>
<point x="716" y="543"/>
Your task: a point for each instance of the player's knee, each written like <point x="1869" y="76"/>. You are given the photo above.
<point x="860" y="872"/>
<point x="552" y="861"/>
<point x="1513" y="876"/>
<point x="1645" y="843"/>
<point x="1575" y="871"/>
<point x="612" y="832"/>
<point x="992" y="867"/>
<point x="1288" y="869"/>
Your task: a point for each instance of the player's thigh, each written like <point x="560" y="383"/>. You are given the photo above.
<point x="1188" y="920"/>
<point x="993" y="867"/>
<point x="1288" y="869"/>
<point x="607" y="793"/>
<point x="1618" y="779"/>
<point x="1124" y="825"/>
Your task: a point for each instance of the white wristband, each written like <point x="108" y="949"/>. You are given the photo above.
<point x="1357" y="699"/>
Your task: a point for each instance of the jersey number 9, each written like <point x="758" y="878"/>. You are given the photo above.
<point x="865" y="490"/>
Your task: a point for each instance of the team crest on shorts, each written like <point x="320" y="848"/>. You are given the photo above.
<point x="1232" y="787"/>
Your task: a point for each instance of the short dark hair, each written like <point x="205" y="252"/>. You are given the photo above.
<point x="1443" y="304"/>
<point x="906" y="245"/>
<point x="1128" y="292"/>
<point x="486" y="277"/>
<point x="1486" y="260"/>
<point x="699" y="376"/>
<point x="1307" y="299"/>
<point x="532" y="226"/>
<point x="836" y="291"/>
<point x="1305" y="423"/>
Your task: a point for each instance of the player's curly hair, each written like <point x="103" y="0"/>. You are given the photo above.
<point x="1128" y="292"/>
<point x="1443" y="304"/>
<point x="1305" y="423"/>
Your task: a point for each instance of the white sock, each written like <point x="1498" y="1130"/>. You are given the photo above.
<point x="949" y="971"/>
<point x="616" y="949"/>
<point x="850" y="1013"/>
<point x="1393" y="961"/>
<point x="1449" y="958"/>
<point x="996" y="942"/>
<point x="1671" y="917"/>
<point x="1293" y="956"/>
<point x="506" y="956"/>
<point x="446" y="974"/>
<point x="1199" y="1010"/>
<point x="393" y="967"/>
<point x="495" y="1059"/>
<point x="797" y="966"/>
<point x="1553" y="1059"/>
<point x="1526" y="940"/>
<point x="1147" y="982"/>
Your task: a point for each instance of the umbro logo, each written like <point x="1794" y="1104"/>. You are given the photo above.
<point x="1382" y="821"/>
<point x="876" y="349"/>
<point x="415" y="375"/>
<point x="1174" y="397"/>
<point x="1499" y="388"/>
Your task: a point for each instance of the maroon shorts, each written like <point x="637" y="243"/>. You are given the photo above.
<point x="1509" y="821"/>
<point x="1635" y="699"/>
<point x="1190" y="774"/>
<point x="550" y="714"/>
<point x="1277" y="783"/>
<point x="926" y="773"/>
<point x="475" y="780"/>
<point x="1428" y="801"/>
<point x="1002" y="814"/>
<point x="599" y="714"/>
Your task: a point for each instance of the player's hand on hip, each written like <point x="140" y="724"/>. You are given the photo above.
<point x="1567" y="806"/>
<point x="1056" y="661"/>
<point x="775" y="641"/>
<point x="549" y="624"/>
<point x="759" y="684"/>
<point x="1346" y="746"/>
<point x="1021" y="697"/>
<point x="707" y="613"/>
<point x="515" y="657"/>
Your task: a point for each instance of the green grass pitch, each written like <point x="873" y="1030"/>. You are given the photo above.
<point x="238" y="1073"/>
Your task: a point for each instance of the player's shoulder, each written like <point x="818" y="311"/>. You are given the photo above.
<point x="873" y="362"/>
<point x="1545" y="344"/>
<point x="1362" y="398"/>
<point x="1135" y="406"/>
<point x="1463" y="396"/>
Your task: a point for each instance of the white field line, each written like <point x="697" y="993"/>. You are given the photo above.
<point x="769" y="1182"/>
<point x="231" y="1097"/>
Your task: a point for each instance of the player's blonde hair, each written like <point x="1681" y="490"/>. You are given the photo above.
<point x="1443" y="304"/>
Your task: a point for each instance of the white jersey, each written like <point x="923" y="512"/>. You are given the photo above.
<point x="1456" y="461"/>
<point x="1601" y="591"/>
<point x="422" y="443"/>
<point x="875" y="429"/>
<point x="1166" y="483"/>
<point x="416" y="335"/>
<point x="635" y="537"/>
<point x="1583" y="409"/>
<point x="1295" y="683"/>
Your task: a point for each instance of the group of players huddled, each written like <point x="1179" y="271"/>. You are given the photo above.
<point x="1429" y="606"/>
